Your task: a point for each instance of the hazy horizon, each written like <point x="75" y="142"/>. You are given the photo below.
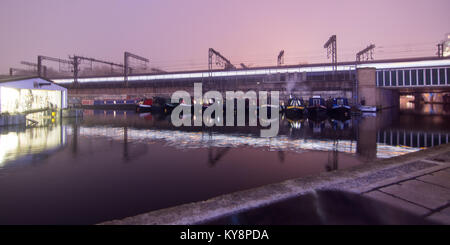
<point x="176" y="35"/>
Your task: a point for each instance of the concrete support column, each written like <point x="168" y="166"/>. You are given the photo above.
<point x="373" y="95"/>
<point x="367" y="89"/>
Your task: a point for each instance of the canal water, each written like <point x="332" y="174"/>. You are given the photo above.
<point x="114" y="164"/>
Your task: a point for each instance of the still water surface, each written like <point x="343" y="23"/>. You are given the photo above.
<point x="115" y="164"/>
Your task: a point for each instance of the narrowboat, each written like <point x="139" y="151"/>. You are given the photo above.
<point x="169" y="106"/>
<point x="295" y="108"/>
<point x="144" y="105"/>
<point x="316" y="106"/>
<point x="365" y="108"/>
<point x="340" y="106"/>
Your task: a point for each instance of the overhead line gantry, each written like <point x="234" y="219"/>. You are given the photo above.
<point x="76" y="60"/>
<point x="366" y="53"/>
<point x="126" y="60"/>
<point x="331" y="46"/>
<point x="41" y="58"/>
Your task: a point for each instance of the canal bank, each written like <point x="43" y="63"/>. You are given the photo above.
<point x="417" y="183"/>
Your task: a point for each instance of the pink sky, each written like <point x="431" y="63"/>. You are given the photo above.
<point x="176" y="35"/>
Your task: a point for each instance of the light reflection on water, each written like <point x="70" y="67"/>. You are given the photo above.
<point x="193" y="140"/>
<point x="114" y="164"/>
<point x="29" y="144"/>
<point x="407" y="104"/>
<point x="295" y="135"/>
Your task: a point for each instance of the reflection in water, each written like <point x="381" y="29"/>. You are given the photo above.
<point x="31" y="143"/>
<point x="330" y="135"/>
<point x="118" y="164"/>
<point x="327" y="135"/>
<point x="430" y="109"/>
<point x="416" y="139"/>
<point x="215" y="157"/>
<point x="333" y="158"/>
<point x="193" y="140"/>
<point x="424" y="104"/>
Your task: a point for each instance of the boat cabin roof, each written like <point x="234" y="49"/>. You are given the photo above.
<point x="316" y="98"/>
<point x="296" y="101"/>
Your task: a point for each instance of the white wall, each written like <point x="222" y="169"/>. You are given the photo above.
<point x="30" y="84"/>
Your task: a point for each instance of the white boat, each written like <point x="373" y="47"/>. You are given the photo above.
<point x="368" y="114"/>
<point x="365" y="108"/>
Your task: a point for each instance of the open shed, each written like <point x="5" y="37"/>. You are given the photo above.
<point x="28" y="94"/>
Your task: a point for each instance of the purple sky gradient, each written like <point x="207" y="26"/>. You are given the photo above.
<point x="176" y="35"/>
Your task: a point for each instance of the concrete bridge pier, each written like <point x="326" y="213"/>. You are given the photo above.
<point x="373" y="95"/>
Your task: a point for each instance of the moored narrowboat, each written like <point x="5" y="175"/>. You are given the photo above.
<point x="316" y="106"/>
<point x="295" y="108"/>
<point x="144" y="105"/>
<point x="340" y="106"/>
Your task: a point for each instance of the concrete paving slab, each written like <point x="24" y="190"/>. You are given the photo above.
<point x="441" y="178"/>
<point x="445" y="157"/>
<point x="424" y="194"/>
<point x="446" y="210"/>
<point x="360" y="184"/>
<point x="396" y="202"/>
<point x="402" y="178"/>
<point x="440" y="217"/>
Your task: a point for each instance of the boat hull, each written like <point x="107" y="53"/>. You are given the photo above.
<point x="143" y="108"/>
<point x="368" y="109"/>
<point x="295" y="112"/>
<point x="340" y="110"/>
<point x="317" y="111"/>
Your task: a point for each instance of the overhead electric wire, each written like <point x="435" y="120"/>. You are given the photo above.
<point x="293" y="57"/>
<point x="412" y="48"/>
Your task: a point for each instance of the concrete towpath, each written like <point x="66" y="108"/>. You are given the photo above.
<point x="425" y="193"/>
